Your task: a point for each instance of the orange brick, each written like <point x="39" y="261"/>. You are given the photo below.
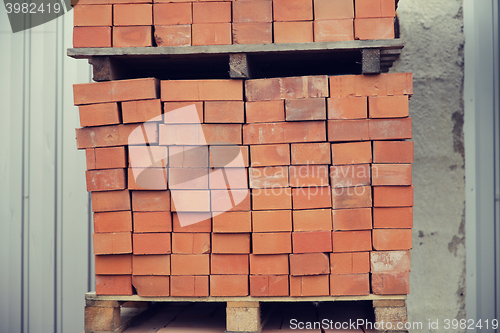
<point x="316" y="285"/>
<point x="180" y="117"/>
<point x="348" y="130"/>
<point x="272" y="243"/>
<point x="229" y="285"/>
<point x="211" y="34"/>
<point x="140" y="156"/>
<point x="229" y="156"/>
<point x="113" y="243"/>
<point x="190" y="243"/>
<point x="268" y="133"/>
<point x="190" y="264"/>
<point x="152" y="243"/>
<point x="189" y="286"/>
<point x="120" y="264"/>
<point x="391" y="174"/>
<point x="304" y="87"/>
<point x="110" y="158"/>
<point x="276" y="198"/>
<point x="188" y="157"/>
<point x="105" y="180"/>
<point x="132" y="14"/>
<point x="90" y="158"/>
<point x="188" y="178"/>
<point x="349" y="284"/>
<point x="309" y="175"/>
<point x="350" y="175"/>
<point x="388" y="106"/>
<point x="352" y="219"/>
<point x="305" y="109"/>
<point x="391" y="283"/>
<point x="310" y="131"/>
<point x="212" y="12"/>
<point x="151" y="286"/>
<point x="309" y="264"/>
<point x="141" y="111"/>
<point x="394" y="218"/>
<point x="270" y="155"/>
<point x="132" y="36"/>
<point x="269" y="285"/>
<point x="373" y="85"/>
<point x="151" y="265"/>
<point x="311" y="153"/>
<point x="268" y="177"/>
<point x="352" y="241"/>
<point x="263" y="90"/>
<point x="352" y="197"/>
<point x="216" y="134"/>
<point x="392" y="239"/>
<point x="334" y="30"/>
<point x="187" y="135"/>
<point x="92" y="37"/>
<point x="252" y="11"/>
<point x="402" y="83"/>
<point x="312" y="197"/>
<point x="343" y="86"/>
<point x="293" y="10"/>
<point x="110" y="201"/>
<point x="293" y="32"/>
<point x="312" y="241"/>
<point x="172" y="35"/>
<point x="229" y="264"/>
<point x="172" y="13"/>
<point x="264" y="111"/>
<point x="224" y="112"/>
<point x="350" y="263"/>
<point x="92" y="16"/>
<point x="393" y="152"/>
<point x="333" y="9"/>
<point x="232" y="222"/>
<point x="392" y="196"/>
<point x="152" y="222"/>
<point x="390" y="261"/>
<point x="192" y="222"/>
<point x="113" y="284"/>
<point x="151" y="201"/>
<point x="269" y="264"/>
<point x="312" y="220"/>
<point x="222" y="200"/>
<point x="115" y="91"/>
<point x="374" y="8"/>
<point x="373" y="28"/>
<point x="272" y="220"/>
<point x="113" y="222"/>
<point x="252" y="33"/>
<point x="347" y="108"/>
<point x="119" y="135"/>
<point x="231" y="243"/>
<point x="190" y="201"/>
<point x="147" y="179"/>
<point x="351" y="153"/>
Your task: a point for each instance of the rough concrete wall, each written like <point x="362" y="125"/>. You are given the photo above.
<point x="434" y="44"/>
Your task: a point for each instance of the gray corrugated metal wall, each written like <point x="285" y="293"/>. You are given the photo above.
<point x="45" y="260"/>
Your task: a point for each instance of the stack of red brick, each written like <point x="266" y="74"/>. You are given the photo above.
<point x="325" y="203"/>
<point x="142" y="23"/>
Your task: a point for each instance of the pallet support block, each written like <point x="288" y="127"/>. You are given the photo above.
<point x="104" y="69"/>
<point x="108" y="317"/>
<point x="390" y="311"/>
<point x="239" y="67"/>
<point x="370" y="59"/>
<point x="243" y="317"/>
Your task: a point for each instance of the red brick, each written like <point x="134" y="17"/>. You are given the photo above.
<point x="190" y="243"/>
<point x="390" y="261"/>
<point x="212" y="12"/>
<point x="229" y="264"/>
<point x="391" y="283"/>
<point x="229" y="157"/>
<point x="232" y="222"/>
<point x="305" y="109"/>
<point x="180" y="117"/>
<point x="147" y="179"/>
<point x="393" y="218"/>
<point x="309" y="175"/>
<point x="151" y="286"/>
<point x="181" y="91"/>
<point x="110" y="201"/>
<point x="229" y="285"/>
<point x="352" y="197"/>
<point x="115" y="91"/>
<point x="311" y="153"/>
<point x="309" y="264"/>
<point x="350" y="175"/>
<point x="152" y="222"/>
<point x="393" y="152"/>
<point x="228" y="178"/>
<point x="140" y="156"/>
<point x="190" y="264"/>
<point x="231" y="243"/>
<point x="334" y="30"/>
<point x="172" y="35"/>
<point x="141" y="111"/>
<point x="350" y="263"/>
<point x="269" y="264"/>
<point x="348" y="130"/>
<point x="312" y="197"/>
<point x="263" y="90"/>
<point x="90" y="158"/>
<point x="312" y="220"/>
<point x="402" y="83"/>
<point x="188" y="135"/>
<point x="272" y="220"/>
<point x="347" y="108"/>
<point x="113" y="222"/>
<point x="110" y="158"/>
<point x="192" y="222"/>
<point x="317" y="285"/>
<point x="269" y="285"/>
<point x="373" y="28"/>
<point x="120" y="264"/>
<point x="151" y="265"/>
<point x="133" y="36"/>
<point x="375" y="8"/>
<point x="189" y="286"/>
<point x="132" y="14"/>
<point x="266" y="199"/>
<point x="310" y="131"/>
<point x="391" y="174"/>
<point x="264" y="111"/>
<point x="351" y="153"/>
<point x="312" y="241"/>
<point x="99" y="114"/>
<point x="92" y="16"/>
<point x="272" y="243"/>
<point x="352" y="219"/>
<point x="388" y="106"/>
<point x="268" y="133"/>
<point x="392" y="239"/>
<point x="172" y="13"/>
<point x="252" y="11"/>
<point x="268" y="177"/>
<point x="222" y="134"/>
<point x="343" y="86"/>
<point x="270" y="155"/>
<point x="392" y="196"/>
<point x="212" y="34"/>
<point x="190" y="201"/>
<point x="293" y="32"/>
<point x="373" y="85"/>
<point x="349" y="284"/>
<point x="188" y="157"/>
<point x="152" y="243"/>
<point x="352" y="241"/>
<point x="105" y="180"/>
<point x="113" y="284"/>
<point x="333" y="9"/>
<point x="113" y="243"/>
<point x="92" y="37"/>
<point x="150" y="201"/>
<point x="224" y="112"/>
<point x="252" y="33"/>
<point x="293" y="10"/>
<point x="188" y="178"/>
<point x="119" y="135"/>
<point x="304" y="87"/>
<point x="222" y="200"/>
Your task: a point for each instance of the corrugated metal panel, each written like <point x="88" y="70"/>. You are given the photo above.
<point x="45" y="253"/>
